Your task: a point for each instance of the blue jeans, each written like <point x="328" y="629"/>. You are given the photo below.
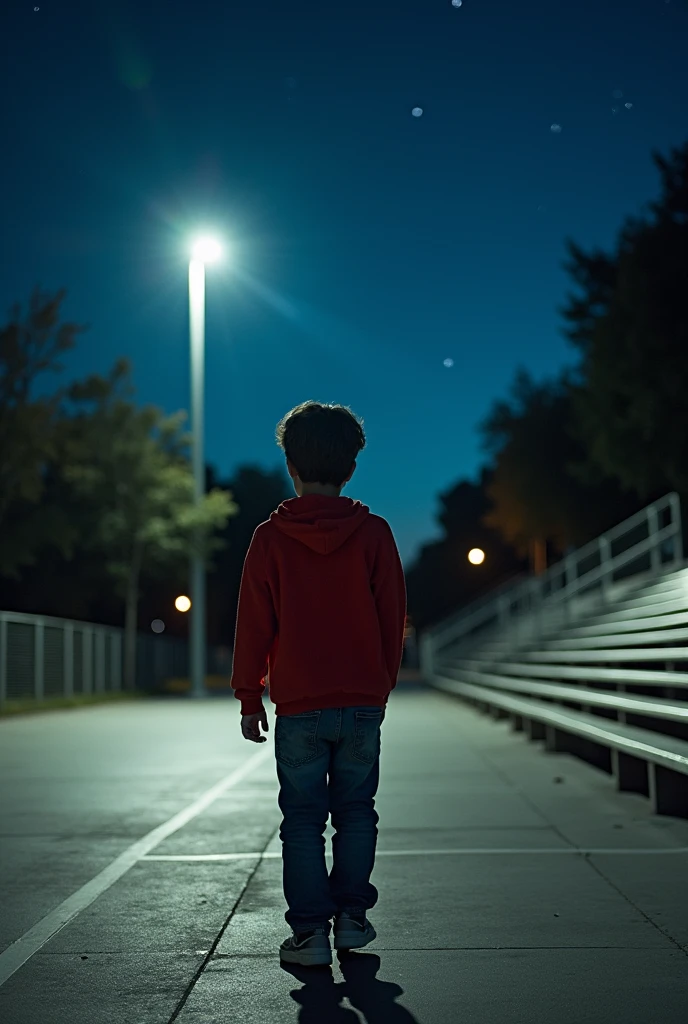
<point x="328" y="762"/>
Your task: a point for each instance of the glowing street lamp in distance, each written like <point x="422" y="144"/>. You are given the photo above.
<point x="476" y="556"/>
<point x="182" y="604"/>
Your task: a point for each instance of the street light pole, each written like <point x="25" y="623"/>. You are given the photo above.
<point x="205" y="250"/>
<point x="197" y="342"/>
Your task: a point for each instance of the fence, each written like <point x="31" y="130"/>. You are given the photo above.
<point x="648" y="542"/>
<point x="42" y="657"/>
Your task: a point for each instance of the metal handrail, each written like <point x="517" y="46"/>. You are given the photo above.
<point x="506" y="603"/>
<point x="29" y="619"/>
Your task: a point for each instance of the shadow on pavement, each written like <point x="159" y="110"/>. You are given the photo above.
<point x="321" y="996"/>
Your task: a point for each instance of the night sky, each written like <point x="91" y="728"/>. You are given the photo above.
<point x="369" y="247"/>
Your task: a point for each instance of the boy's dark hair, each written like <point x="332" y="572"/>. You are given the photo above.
<point x="321" y="441"/>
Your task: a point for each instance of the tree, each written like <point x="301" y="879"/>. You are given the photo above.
<point x="539" y="492"/>
<point x="527" y="438"/>
<point x="130" y="467"/>
<point x="629" y="322"/>
<point x="31" y="344"/>
<point x="441" y="579"/>
<point x="257" y="494"/>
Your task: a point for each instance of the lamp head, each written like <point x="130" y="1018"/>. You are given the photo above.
<point x="206" y="250"/>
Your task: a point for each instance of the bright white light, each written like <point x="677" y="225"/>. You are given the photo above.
<point x="206" y="250"/>
<point x="158" y="626"/>
<point x="182" y="604"/>
<point x="417" y="111"/>
<point x="476" y="556"/>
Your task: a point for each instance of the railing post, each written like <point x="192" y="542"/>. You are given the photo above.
<point x="538" y="603"/>
<point x="87" y="657"/>
<point x="653" y="530"/>
<point x="605" y="559"/>
<point x="100" y="661"/>
<point x="675" y="505"/>
<point x="38" y="660"/>
<point x="117" y="660"/>
<point x="114" y="650"/>
<point x="3" y="659"/>
<point x="68" y="659"/>
<point x="571" y="575"/>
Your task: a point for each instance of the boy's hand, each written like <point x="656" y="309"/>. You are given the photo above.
<point x="250" y="726"/>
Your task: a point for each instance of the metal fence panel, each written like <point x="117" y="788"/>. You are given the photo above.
<point x="43" y="656"/>
<point x="19" y="656"/>
<point x="53" y="655"/>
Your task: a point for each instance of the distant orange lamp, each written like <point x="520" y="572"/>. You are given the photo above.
<point x="476" y="556"/>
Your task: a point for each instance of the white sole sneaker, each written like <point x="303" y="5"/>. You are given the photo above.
<point x="311" y="952"/>
<point x="349" y="934"/>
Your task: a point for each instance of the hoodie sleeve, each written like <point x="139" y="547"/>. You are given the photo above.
<point x="389" y="590"/>
<point x="256" y="630"/>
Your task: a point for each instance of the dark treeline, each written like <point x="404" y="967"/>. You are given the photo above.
<point x="96" y="511"/>
<point x="570" y="457"/>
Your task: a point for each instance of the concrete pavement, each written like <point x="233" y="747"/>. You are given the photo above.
<point x="140" y="878"/>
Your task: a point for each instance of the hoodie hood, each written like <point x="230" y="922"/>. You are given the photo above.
<point x="320" y="522"/>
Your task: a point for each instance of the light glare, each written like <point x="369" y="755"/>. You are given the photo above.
<point x="476" y="556"/>
<point x="206" y="250"/>
<point x="182" y="604"/>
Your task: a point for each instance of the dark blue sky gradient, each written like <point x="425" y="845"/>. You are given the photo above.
<point x="369" y="245"/>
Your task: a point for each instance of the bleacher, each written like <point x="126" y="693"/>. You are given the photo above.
<point x="591" y="658"/>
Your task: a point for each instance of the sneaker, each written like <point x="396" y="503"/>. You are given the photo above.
<point x="307" y="948"/>
<point x="352" y="931"/>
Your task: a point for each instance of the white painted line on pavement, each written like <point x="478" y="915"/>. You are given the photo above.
<point x="423" y="853"/>
<point x="211" y="856"/>
<point x="16" y="955"/>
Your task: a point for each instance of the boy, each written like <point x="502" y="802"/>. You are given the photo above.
<point x="322" y="607"/>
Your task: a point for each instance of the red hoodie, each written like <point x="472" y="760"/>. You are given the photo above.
<point x="322" y="609"/>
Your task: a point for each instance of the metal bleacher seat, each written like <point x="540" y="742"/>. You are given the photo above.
<point x="595" y="663"/>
